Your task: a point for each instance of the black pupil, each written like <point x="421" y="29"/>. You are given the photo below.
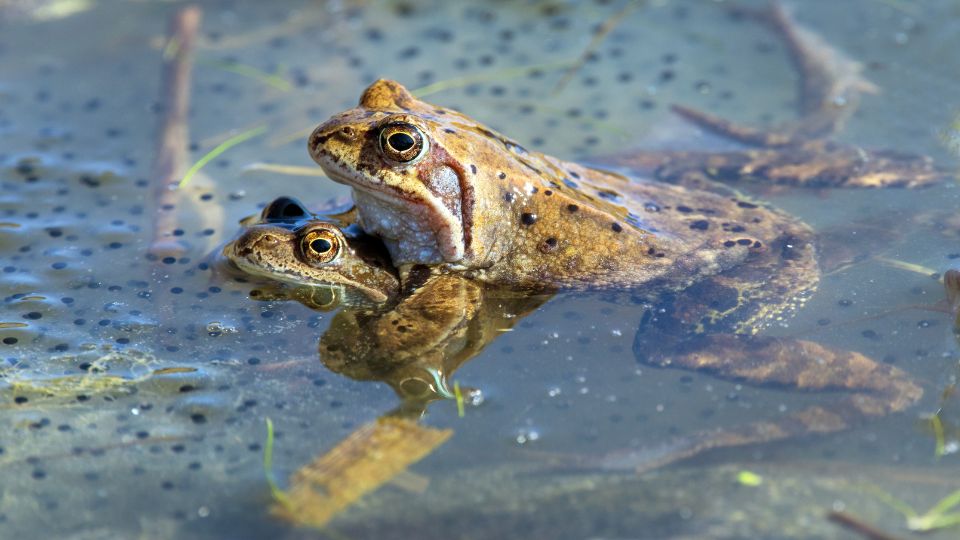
<point x="321" y="245"/>
<point x="401" y="142"/>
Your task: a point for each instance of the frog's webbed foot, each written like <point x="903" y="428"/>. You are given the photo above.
<point x="874" y="390"/>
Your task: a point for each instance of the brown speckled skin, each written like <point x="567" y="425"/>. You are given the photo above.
<point x="528" y="220"/>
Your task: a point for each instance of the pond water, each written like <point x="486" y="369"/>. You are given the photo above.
<point x="134" y="390"/>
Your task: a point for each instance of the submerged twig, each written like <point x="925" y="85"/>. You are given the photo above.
<point x="171" y="156"/>
<point x="854" y="524"/>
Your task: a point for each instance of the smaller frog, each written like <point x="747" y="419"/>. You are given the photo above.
<point x="288" y="243"/>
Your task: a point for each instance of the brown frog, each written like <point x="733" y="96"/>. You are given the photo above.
<point x="711" y="266"/>
<point x="441" y="188"/>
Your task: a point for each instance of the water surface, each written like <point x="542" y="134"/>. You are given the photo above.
<point x="134" y="391"/>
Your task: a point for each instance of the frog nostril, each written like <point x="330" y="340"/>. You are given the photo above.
<point x="268" y="240"/>
<point x="347" y="131"/>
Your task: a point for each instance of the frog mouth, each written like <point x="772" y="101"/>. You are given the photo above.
<point x="427" y="213"/>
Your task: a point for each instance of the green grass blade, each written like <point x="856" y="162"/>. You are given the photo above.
<point x="892" y="501"/>
<point x="275" y="490"/>
<point x="456" y="392"/>
<point x="508" y="73"/>
<point x="945" y="504"/>
<point x="245" y="70"/>
<point x="221" y="148"/>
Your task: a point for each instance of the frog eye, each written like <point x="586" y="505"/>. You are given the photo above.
<point x="320" y="246"/>
<point x="402" y="142"/>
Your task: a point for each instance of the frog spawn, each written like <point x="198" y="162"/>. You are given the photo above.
<point x="183" y="480"/>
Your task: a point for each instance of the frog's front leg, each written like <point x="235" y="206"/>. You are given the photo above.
<point x="872" y="390"/>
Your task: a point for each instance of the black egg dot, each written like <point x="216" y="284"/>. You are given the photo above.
<point x="616" y="227"/>
<point x="572" y="208"/>
<point x="10" y="341"/>
<point x="700" y="225"/>
<point x="198" y="418"/>
<point x="528" y="219"/>
<point x="33" y="315"/>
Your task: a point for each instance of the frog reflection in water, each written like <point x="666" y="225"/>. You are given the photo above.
<point x="711" y="267"/>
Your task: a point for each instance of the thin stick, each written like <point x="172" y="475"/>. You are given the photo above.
<point x="171" y="156"/>
<point x="854" y="524"/>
